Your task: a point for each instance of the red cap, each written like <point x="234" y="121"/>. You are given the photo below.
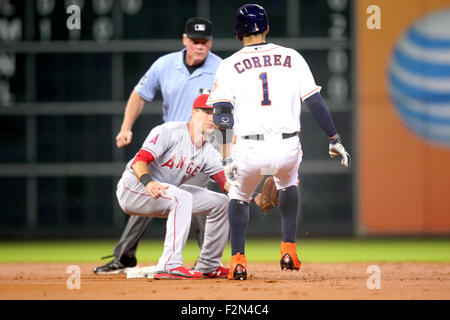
<point x="200" y="102"/>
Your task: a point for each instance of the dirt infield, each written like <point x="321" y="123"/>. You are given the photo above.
<point x="267" y="282"/>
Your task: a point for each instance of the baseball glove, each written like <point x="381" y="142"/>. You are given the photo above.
<point x="268" y="198"/>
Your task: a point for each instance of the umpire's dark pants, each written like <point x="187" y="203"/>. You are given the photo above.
<point x="138" y="225"/>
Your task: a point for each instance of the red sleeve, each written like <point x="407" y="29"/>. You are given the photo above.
<point x="143" y="155"/>
<point x="220" y="179"/>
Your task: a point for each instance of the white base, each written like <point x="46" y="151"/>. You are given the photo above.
<point x="141" y="273"/>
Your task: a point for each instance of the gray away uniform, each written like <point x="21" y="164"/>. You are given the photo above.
<point x="177" y="160"/>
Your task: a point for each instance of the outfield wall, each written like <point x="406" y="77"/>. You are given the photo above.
<point x="404" y="117"/>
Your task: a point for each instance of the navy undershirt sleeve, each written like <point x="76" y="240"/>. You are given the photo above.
<point x="321" y="114"/>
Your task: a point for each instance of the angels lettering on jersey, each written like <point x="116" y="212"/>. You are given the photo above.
<point x="177" y="162"/>
<point x="172" y="156"/>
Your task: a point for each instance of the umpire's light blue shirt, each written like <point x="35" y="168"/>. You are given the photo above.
<point x="179" y="88"/>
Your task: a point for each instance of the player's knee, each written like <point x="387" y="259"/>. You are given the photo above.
<point x="219" y="206"/>
<point x="183" y="197"/>
<point x="121" y="198"/>
<point x="126" y="206"/>
<point x="223" y="202"/>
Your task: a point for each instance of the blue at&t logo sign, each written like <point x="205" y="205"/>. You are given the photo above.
<point x="419" y="78"/>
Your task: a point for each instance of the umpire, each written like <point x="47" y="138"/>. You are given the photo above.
<point x="179" y="76"/>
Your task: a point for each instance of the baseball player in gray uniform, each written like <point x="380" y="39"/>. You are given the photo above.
<point x="153" y="185"/>
<point x="179" y="76"/>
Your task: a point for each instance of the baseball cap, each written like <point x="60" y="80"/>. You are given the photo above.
<point x="198" y="28"/>
<point x="200" y="102"/>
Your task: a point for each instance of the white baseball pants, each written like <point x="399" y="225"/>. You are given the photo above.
<point x="258" y="158"/>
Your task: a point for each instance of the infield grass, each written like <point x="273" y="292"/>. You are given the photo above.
<point x="264" y="250"/>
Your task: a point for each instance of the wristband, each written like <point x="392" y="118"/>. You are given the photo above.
<point x="145" y="179"/>
<point x="336" y="140"/>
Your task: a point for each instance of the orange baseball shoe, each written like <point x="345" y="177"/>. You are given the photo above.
<point x="238" y="269"/>
<point x="289" y="258"/>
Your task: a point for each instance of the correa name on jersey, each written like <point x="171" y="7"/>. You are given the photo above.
<point x="276" y="60"/>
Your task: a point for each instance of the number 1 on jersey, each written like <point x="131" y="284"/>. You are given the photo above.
<point x="266" y="101"/>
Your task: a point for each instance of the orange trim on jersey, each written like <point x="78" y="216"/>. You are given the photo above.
<point x="258" y="51"/>
<point x="310" y="93"/>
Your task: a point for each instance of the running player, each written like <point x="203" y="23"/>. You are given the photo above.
<point x="258" y="91"/>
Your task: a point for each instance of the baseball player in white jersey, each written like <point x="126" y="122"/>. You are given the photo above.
<point x="258" y="92"/>
<point x="153" y="186"/>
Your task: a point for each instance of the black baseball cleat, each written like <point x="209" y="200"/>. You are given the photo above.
<point x="116" y="267"/>
<point x="239" y="272"/>
<point x="287" y="263"/>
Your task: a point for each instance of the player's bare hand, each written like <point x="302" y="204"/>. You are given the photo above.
<point x="124" y="138"/>
<point x="156" y="190"/>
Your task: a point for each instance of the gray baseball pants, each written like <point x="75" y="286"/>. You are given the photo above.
<point x="137" y="226"/>
<point x="178" y="206"/>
